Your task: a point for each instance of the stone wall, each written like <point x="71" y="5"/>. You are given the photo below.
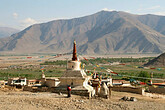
<point x="50" y="83"/>
<point x="157" y="90"/>
<point x="72" y="81"/>
<point x="82" y="92"/>
<point x="128" y="89"/>
<point x="36" y="89"/>
<point x="154" y="95"/>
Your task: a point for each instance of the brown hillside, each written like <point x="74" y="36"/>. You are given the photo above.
<point x="100" y="33"/>
<point x="157" y="62"/>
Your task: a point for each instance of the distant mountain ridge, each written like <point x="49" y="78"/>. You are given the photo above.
<point x="100" y="33"/>
<point x="7" y="31"/>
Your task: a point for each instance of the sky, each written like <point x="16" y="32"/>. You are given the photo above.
<point x="20" y="14"/>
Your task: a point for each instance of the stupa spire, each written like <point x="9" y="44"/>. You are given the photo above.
<point x="74" y="58"/>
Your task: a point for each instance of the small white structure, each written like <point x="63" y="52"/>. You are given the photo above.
<point x="115" y="63"/>
<point x="49" y="82"/>
<point x="17" y="81"/>
<point x="43" y="75"/>
<point x="52" y="82"/>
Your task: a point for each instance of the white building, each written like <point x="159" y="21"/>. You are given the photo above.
<point x="17" y="81"/>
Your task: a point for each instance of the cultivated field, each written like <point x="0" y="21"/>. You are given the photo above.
<point x="29" y="66"/>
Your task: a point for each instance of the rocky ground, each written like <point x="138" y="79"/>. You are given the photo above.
<point x="21" y="100"/>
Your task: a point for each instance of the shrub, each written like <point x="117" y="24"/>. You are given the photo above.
<point x="144" y="74"/>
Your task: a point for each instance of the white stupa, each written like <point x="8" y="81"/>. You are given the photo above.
<point x="74" y="75"/>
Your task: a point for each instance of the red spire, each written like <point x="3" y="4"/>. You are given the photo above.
<point x="74" y="58"/>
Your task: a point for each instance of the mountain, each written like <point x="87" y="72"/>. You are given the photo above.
<point x="157" y="62"/>
<point x="7" y="31"/>
<point x="100" y="33"/>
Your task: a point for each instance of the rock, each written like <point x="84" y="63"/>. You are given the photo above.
<point x="133" y="99"/>
<point x="124" y="98"/>
<point x="128" y="98"/>
<point x="81" y="101"/>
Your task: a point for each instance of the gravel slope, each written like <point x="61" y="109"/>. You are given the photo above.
<point x="19" y="100"/>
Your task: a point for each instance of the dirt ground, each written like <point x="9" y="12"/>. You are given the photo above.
<point x="21" y="100"/>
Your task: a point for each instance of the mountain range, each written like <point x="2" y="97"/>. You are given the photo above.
<point x="7" y="31"/>
<point x="104" y="32"/>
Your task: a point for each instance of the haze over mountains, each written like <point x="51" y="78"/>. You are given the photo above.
<point x="7" y="31"/>
<point x="100" y="33"/>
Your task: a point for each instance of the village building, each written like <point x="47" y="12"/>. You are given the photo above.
<point x="17" y="81"/>
<point x="33" y="82"/>
<point x="49" y="82"/>
<point x="119" y="82"/>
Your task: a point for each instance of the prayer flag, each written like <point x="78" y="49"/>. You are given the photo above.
<point x="85" y="59"/>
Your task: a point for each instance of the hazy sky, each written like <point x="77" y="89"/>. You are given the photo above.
<point x="21" y="13"/>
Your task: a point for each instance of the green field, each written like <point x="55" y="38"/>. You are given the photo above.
<point x="128" y="66"/>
